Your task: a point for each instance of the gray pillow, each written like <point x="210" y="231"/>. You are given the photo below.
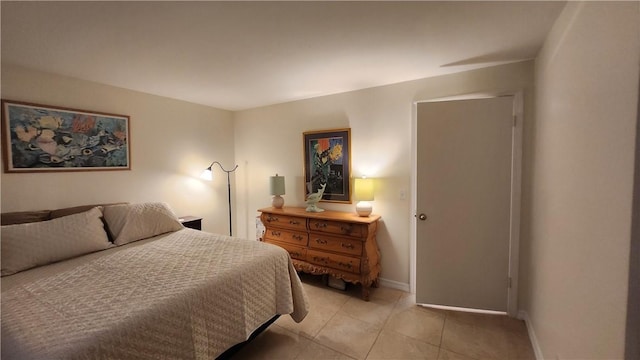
<point x="133" y="222"/>
<point x="25" y="246"/>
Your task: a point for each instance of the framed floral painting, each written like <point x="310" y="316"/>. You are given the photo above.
<point x="41" y="138"/>
<point x="327" y="162"/>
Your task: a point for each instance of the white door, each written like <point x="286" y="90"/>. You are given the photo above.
<point x="464" y="158"/>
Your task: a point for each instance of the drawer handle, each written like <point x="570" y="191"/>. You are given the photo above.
<point x="321" y="241"/>
<point x="320" y="259"/>
<point x="294" y="222"/>
<point x="275" y="233"/>
<point x="295" y="254"/>
<point x="345" y="265"/>
<point x="321" y="225"/>
<point x="347" y="246"/>
<point x="347" y="230"/>
<point x="297" y="237"/>
<point x="271" y="218"/>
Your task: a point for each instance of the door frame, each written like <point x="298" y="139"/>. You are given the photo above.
<point x="516" y="186"/>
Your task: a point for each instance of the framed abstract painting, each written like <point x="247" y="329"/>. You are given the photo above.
<point x="327" y="162"/>
<point x="42" y="138"/>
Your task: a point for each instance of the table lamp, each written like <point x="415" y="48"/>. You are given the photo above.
<point x="276" y="188"/>
<point x="363" y="194"/>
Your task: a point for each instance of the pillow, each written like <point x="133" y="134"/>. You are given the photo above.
<point x="133" y="222"/>
<point x="82" y="208"/>
<point x="25" y="246"/>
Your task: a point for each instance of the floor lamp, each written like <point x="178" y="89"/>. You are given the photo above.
<point x="207" y="174"/>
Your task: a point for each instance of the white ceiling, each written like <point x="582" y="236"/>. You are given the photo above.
<point x="239" y="55"/>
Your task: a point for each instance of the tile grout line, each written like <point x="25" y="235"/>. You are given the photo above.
<point x="322" y="328"/>
<point x="382" y="327"/>
<point x="444" y="322"/>
<point x="313" y="339"/>
<point x="373" y="344"/>
<point x="310" y="340"/>
<point x="442" y="338"/>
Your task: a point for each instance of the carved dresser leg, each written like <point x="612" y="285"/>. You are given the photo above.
<point x="375" y="283"/>
<point x="365" y="292"/>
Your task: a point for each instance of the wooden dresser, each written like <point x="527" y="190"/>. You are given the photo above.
<point x="330" y="242"/>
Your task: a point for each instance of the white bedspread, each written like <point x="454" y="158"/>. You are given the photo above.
<point x="183" y="295"/>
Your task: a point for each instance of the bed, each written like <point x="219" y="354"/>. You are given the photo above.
<point x="177" y="294"/>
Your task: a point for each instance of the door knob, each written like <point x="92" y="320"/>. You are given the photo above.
<point x="422" y="217"/>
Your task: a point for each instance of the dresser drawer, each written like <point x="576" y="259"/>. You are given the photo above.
<point x="340" y="262"/>
<point x="296" y="252"/>
<point x="336" y="244"/>
<point x="284" y="221"/>
<point x="338" y="227"/>
<point x="288" y="236"/>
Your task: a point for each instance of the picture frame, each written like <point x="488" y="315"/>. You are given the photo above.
<point x="44" y="138"/>
<point x="327" y="160"/>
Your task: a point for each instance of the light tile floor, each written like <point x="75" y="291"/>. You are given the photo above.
<point x="390" y="326"/>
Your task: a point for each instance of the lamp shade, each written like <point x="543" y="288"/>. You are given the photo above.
<point x="363" y="189"/>
<point x="207" y="174"/>
<point x="276" y="185"/>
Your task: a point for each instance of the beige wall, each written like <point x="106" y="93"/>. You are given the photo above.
<point x="269" y="140"/>
<point x="577" y="217"/>
<point x="167" y="158"/>
<point x="171" y="143"/>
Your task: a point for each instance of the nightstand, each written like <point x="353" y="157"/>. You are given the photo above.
<point x="192" y="222"/>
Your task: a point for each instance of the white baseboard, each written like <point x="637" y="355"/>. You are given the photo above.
<point x="394" y="285"/>
<point x="522" y="315"/>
